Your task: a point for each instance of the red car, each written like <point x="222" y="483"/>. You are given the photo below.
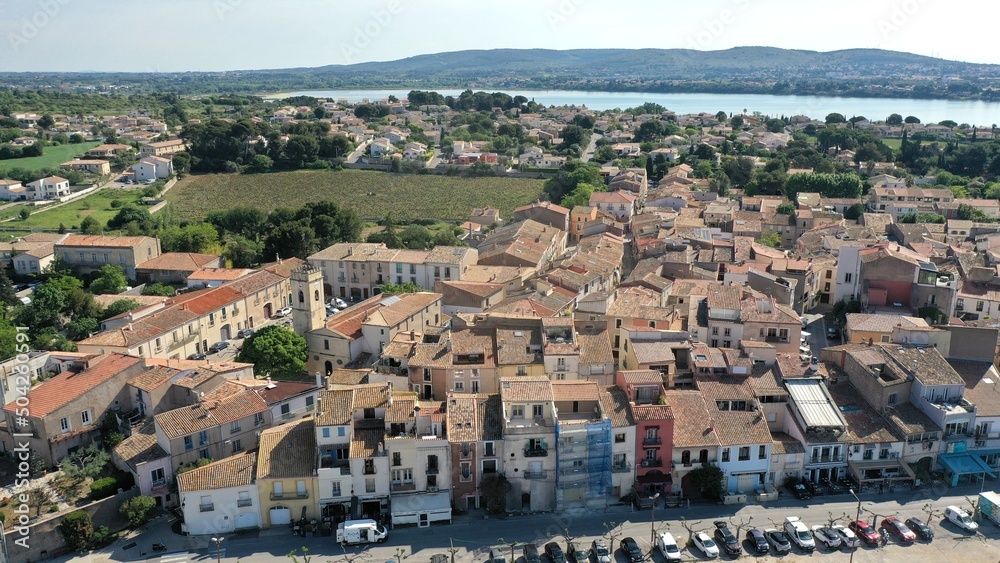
<point x="865" y="532"/>
<point x="898" y="530"/>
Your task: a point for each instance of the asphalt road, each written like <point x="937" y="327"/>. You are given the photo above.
<point x="473" y="536"/>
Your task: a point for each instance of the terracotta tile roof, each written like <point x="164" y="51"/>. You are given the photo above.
<point x="526" y="388"/>
<point x="140" y="447"/>
<point x="371" y="396"/>
<point x="647" y="351"/>
<point x="646" y="413"/>
<point x="474" y="418"/>
<point x="144" y="329"/>
<point x="911" y="420"/>
<point x="274" y="392"/>
<point x="287" y="451"/>
<point x="447" y="254"/>
<point x="401" y="409"/>
<point x="642" y="377"/>
<point x="283" y="268"/>
<point x="63" y="388"/>
<point x="575" y="390"/>
<point x="207" y="300"/>
<point x="595" y="347"/>
<point x="765" y="382"/>
<point x="928" y="365"/>
<point x="982" y="385"/>
<point x="882" y="323"/>
<point x="513" y="345"/>
<point x="615" y="405"/>
<point x="178" y="261"/>
<point x="235" y="471"/>
<point x="391" y="312"/>
<point x="693" y="425"/>
<point x="365" y="442"/>
<point x="785" y="444"/>
<point x="335" y="407"/>
<point x="152" y="378"/>
<point x="227" y="403"/>
<point x="864" y="424"/>
<point x="101" y="241"/>
<point x="257" y="281"/>
<point x="343" y="376"/>
<point x="723" y="387"/>
<point x="219" y="274"/>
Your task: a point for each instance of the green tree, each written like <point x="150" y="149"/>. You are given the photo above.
<point x="770" y="238"/>
<point x="911" y="119"/>
<point x="200" y="462"/>
<point x="160" y="289"/>
<point x="261" y="163"/>
<point x="112" y="281"/>
<point x="118" y="307"/>
<point x="302" y="149"/>
<point x="708" y="481"/>
<point x="396" y="289"/>
<point x="91" y="226"/>
<point x="45" y="310"/>
<point x="494" y="487"/>
<point x="241" y="252"/>
<point x="854" y="211"/>
<point x="785" y="209"/>
<point x="81" y="328"/>
<point x="138" y="510"/>
<point x="835" y="118"/>
<point x="24" y="213"/>
<point x="968" y="213"/>
<point x="580" y="195"/>
<point x="45" y="122"/>
<point x="77" y="528"/>
<point x="843" y="307"/>
<point x="275" y="351"/>
<point x="129" y="215"/>
<point x="85" y="462"/>
<point x="894" y="119"/>
<point x="7" y="294"/>
<point x="570" y="175"/>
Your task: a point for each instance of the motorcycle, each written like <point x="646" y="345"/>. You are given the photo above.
<point x="159" y="547"/>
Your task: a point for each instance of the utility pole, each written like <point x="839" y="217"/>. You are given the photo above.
<point x="652" y="523"/>
<point x="856" y="518"/>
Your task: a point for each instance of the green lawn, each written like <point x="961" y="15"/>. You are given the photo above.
<point x="51" y="157"/>
<point x="406" y="196"/>
<point x="96" y="205"/>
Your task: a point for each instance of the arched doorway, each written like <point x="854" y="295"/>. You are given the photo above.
<point x="225" y="333"/>
<point x="268" y="310"/>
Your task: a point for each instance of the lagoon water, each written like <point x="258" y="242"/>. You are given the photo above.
<point x="929" y="111"/>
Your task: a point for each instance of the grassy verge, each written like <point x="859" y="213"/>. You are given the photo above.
<point x="372" y="194"/>
<point x="52" y="157"/>
<point x="96" y="205"/>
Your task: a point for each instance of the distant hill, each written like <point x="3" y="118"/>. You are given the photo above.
<point x="744" y="70"/>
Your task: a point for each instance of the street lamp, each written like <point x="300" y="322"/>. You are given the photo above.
<point x="218" y="548"/>
<point x="856" y="518"/>
<point x="652" y="522"/>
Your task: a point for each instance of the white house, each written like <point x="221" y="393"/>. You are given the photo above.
<point x="415" y="150"/>
<point x="220" y="497"/>
<point x="381" y="147"/>
<point x="11" y="190"/>
<point x="47" y="188"/>
<point x="141" y="455"/>
<point x="153" y="168"/>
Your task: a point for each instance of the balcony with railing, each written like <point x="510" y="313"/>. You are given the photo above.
<point x="536" y="452"/>
<point x="158" y="484"/>
<point x="652" y="462"/>
<point x="536" y="474"/>
<point x="621" y="467"/>
<point x="816" y="459"/>
<point x="652" y="441"/>
<point x="289" y="495"/>
<point x="402" y="487"/>
<point x="244" y="502"/>
<point x="206" y="507"/>
<point x="518" y="425"/>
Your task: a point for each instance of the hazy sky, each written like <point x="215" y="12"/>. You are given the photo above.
<point x="180" y="35"/>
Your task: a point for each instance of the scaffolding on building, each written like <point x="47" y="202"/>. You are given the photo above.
<point x="583" y="461"/>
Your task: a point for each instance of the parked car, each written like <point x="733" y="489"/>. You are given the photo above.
<point x="668" y="547"/>
<point x="898" y="530"/>
<point x="283" y="312"/>
<point x="827" y="536"/>
<point x="800" y="491"/>
<point x="758" y="541"/>
<point x="804" y="349"/>
<point x="244" y="333"/>
<point x="198" y="356"/>
<point x="799" y="533"/>
<point x="805" y="336"/>
<point x="578" y="551"/>
<point x="555" y="552"/>
<point x="923" y="531"/>
<point x="497" y="556"/>
<point x="778" y="540"/>
<point x="339" y="303"/>
<point x="706" y="545"/>
<point x="218" y="347"/>
<point x="600" y="551"/>
<point x="832" y="332"/>
<point x="630" y="548"/>
<point x="530" y="551"/>
<point x="865" y="532"/>
<point x="727" y="539"/>
<point x="960" y="518"/>
<point x="846" y="536"/>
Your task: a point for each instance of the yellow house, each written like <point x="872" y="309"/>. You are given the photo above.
<point x="286" y="474"/>
<point x="864" y="328"/>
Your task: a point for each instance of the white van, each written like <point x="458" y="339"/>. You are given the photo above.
<point x="668" y="547"/>
<point x="361" y="531"/>
<point x="960" y="518"/>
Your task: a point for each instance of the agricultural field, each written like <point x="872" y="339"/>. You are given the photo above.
<point x="372" y="194"/>
<point x="52" y="157"/>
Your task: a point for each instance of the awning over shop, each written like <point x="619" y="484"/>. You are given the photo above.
<point x="654" y="477"/>
<point x="965" y="463"/>
<point x="421" y="509"/>
<point x="880" y="469"/>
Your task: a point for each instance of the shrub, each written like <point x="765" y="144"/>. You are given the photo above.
<point x="102" y="537"/>
<point x="138" y="510"/>
<point x="77" y="528"/>
<point x="103" y="488"/>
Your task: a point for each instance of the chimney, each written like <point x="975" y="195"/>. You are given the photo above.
<point x="319" y="379"/>
<point x="130" y="326"/>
